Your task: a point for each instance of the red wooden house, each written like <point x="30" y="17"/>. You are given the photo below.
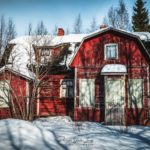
<point x="104" y="77"/>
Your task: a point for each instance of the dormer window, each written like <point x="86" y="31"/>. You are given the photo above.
<point x="111" y="51"/>
<point x="45" y="55"/>
<point x="46" y="52"/>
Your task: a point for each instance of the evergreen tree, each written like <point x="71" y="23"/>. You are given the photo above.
<point x="140" y="19"/>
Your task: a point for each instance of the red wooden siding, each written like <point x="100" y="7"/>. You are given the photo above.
<point x="18" y="85"/>
<point x="89" y="62"/>
<point x="49" y="102"/>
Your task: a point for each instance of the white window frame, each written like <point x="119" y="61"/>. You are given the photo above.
<point x="80" y="94"/>
<point x="138" y="105"/>
<point x="105" y="51"/>
<point x="4" y="105"/>
<point x="62" y="87"/>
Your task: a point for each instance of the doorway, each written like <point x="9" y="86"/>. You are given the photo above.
<point x="114" y="100"/>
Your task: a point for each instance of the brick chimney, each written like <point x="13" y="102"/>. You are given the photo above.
<point x="103" y="26"/>
<point x="60" y="32"/>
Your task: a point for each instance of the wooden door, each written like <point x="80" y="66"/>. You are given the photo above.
<point x="114" y="100"/>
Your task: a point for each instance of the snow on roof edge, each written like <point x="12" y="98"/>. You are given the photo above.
<point x="99" y="31"/>
<point x="114" y="68"/>
<point x="29" y="76"/>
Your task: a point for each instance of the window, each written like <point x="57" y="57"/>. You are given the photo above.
<point x="114" y="92"/>
<point x="4" y="94"/>
<point x="45" y="55"/>
<point x="66" y="88"/>
<point x="45" y="52"/>
<point x="135" y="92"/>
<point x="111" y="51"/>
<point x="87" y="92"/>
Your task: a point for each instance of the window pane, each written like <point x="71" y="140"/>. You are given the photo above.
<point x="70" y="92"/>
<point x="4" y="94"/>
<point x="135" y="93"/>
<point x="87" y="92"/>
<point x="114" y="92"/>
<point x="111" y="51"/>
<point x="108" y="52"/>
<point x="45" y="52"/>
<point x="66" y="88"/>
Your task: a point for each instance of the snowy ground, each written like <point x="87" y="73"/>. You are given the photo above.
<point x="61" y="133"/>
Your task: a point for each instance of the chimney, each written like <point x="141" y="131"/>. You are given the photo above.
<point x="103" y="26"/>
<point x="60" y="32"/>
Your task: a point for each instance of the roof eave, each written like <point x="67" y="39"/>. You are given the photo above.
<point x="15" y="72"/>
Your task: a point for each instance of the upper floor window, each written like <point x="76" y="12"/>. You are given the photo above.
<point x="45" y="55"/>
<point x="46" y="52"/>
<point x="111" y="51"/>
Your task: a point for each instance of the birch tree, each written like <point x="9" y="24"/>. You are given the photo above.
<point x="29" y="29"/>
<point x="93" y="25"/>
<point x="118" y="17"/>
<point x="7" y="32"/>
<point x="41" y="29"/>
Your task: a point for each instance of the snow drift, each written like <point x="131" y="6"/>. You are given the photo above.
<point x="61" y="133"/>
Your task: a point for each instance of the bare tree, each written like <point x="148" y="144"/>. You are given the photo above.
<point x="67" y="31"/>
<point x="2" y="32"/>
<point x="45" y="63"/>
<point x="123" y="16"/>
<point x="118" y="17"/>
<point x="41" y="29"/>
<point x="29" y="30"/>
<point x="111" y="17"/>
<point x="78" y="25"/>
<point x="7" y="32"/>
<point x="11" y="33"/>
<point x="39" y="63"/>
<point x="93" y="25"/>
<point x="55" y="30"/>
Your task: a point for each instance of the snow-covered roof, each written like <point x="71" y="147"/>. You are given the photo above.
<point x="48" y="40"/>
<point x="114" y="68"/>
<point x="22" y="71"/>
<point x="23" y="52"/>
<point x="145" y="36"/>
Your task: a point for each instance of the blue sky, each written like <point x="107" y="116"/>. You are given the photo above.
<point x="57" y="12"/>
